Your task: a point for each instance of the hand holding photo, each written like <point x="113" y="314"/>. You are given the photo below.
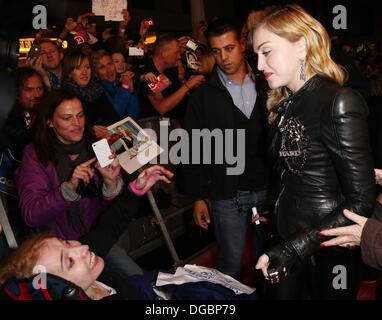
<point x="162" y="84"/>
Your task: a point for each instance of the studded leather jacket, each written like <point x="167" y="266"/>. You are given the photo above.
<point x="321" y="143"/>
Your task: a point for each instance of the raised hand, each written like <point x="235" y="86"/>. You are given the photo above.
<point x="110" y="173"/>
<point x="83" y="172"/>
<point x="150" y="176"/>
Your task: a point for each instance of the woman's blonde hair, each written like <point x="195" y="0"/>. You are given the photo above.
<point x="291" y="22"/>
<point x="21" y="262"/>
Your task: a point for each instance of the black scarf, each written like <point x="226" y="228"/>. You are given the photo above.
<point x="65" y="168"/>
<point x="89" y="94"/>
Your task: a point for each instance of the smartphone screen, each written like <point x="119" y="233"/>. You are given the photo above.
<point x="103" y="152"/>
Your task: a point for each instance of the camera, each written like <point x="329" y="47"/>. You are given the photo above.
<point x="9" y="53"/>
<point x="148" y="23"/>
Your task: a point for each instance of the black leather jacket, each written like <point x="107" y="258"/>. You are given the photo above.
<point x="321" y="143"/>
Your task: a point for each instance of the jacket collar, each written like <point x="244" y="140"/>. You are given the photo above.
<point x="308" y="86"/>
<point x="216" y="81"/>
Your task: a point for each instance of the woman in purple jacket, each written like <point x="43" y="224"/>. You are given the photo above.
<point x="61" y="187"/>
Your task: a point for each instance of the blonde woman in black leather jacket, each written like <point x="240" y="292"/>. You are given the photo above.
<point x="320" y="142"/>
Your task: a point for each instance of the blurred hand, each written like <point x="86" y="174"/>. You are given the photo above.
<point x="378" y="176"/>
<point x="195" y="81"/>
<point x="263" y="264"/>
<point x="149" y="77"/>
<point x="201" y="214"/>
<point x="100" y="132"/>
<point x="110" y="173"/>
<point x="127" y="79"/>
<point x="182" y="43"/>
<point x="36" y="64"/>
<point x="200" y="33"/>
<point x="83" y="18"/>
<point x="152" y="175"/>
<point x="143" y="29"/>
<point x="70" y="25"/>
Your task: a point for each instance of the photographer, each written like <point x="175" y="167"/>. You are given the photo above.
<point x="48" y="63"/>
<point x="60" y="188"/>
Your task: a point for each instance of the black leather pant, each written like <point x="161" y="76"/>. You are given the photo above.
<point x="332" y="274"/>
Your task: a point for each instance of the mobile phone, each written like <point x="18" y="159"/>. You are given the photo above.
<point x="148" y="23"/>
<point x="163" y="83"/>
<point x="191" y="45"/>
<point x="103" y="152"/>
<point x="34" y="51"/>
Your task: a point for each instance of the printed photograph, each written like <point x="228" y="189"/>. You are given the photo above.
<point x="132" y="144"/>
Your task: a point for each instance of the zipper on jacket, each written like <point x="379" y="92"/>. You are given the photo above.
<point x="283" y="172"/>
<point x="281" y="192"/>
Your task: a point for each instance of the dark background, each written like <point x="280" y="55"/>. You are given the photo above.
<point x="174" y="15"/>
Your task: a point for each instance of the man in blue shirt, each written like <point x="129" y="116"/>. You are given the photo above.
<point x="229" y="101"/>
<point x="120" y="93"/>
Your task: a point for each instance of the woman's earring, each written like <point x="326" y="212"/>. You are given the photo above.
<point x="302" y="70"/>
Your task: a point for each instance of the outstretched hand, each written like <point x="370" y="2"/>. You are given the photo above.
<point x="152" y="175"/>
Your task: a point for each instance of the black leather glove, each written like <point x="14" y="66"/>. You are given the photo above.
<point x="282" y="261"/>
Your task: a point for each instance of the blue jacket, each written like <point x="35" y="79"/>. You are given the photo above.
<point x="124" y="101"/>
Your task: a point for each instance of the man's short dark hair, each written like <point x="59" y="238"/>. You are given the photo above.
<point x="220" y="26"/>
<point x="163" y="40"/>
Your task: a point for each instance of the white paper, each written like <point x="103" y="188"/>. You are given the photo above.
<point x="111" y="9"/>
<point x="136" y="52"/>
<point x="193" y="273"/>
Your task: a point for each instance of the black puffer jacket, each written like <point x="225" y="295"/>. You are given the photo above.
<point x="321" y="143"/>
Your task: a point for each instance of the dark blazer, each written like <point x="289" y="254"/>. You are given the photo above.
<point x="211" y="107"/>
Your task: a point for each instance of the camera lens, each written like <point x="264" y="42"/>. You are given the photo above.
<point x="9" y="53"/>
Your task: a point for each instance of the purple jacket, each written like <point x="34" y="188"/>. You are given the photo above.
<point x="42" y="205"/>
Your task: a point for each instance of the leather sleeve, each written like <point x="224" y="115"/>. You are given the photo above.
<point x="344" y="132"/>
<point x="112" y="223"/>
